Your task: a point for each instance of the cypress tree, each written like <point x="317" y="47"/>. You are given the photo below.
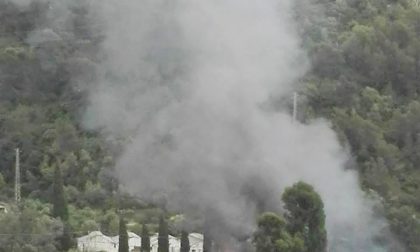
<point x="60" y="210"/>
<point x="163" y="239"/>
<point x="123" y="237"/>
<point x="207" y="242"/>
<point x="66" y="240"/>
<point x="145" y="239"/>
<point x="58" y="198"/>
<point x="185" y="242"/>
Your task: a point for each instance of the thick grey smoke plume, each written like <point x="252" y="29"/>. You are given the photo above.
<point x="189" y="81"/>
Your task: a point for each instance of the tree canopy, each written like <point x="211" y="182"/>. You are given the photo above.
<point x="302" y="229"/>
<point x="305" y="215"/>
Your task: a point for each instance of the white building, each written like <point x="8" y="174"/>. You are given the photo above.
<point x="134" y="242"/>
<point x="196" y="242"/>
<point x="98" y="242"/>
<point x="95" y="242"/>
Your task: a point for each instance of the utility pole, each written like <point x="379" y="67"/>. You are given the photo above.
<point x="295" y="98"/>
<point x="17" y="178"/>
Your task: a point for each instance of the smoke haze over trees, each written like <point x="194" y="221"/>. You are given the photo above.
<point x="187" y="105"/>
<point x="193" y="88"/>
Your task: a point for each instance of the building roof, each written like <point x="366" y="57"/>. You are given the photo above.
<point x="197" y="236"/>
<point x="93" y="235"/>
<point x="132" y="235"/>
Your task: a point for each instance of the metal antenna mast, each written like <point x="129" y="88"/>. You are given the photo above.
<point x="17" y="178"/>
<point x="295" y="98"/>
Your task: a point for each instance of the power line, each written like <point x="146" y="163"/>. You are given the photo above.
<point x="294" y="115"/>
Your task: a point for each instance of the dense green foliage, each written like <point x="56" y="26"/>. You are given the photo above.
<point x="305" y="216"/>
<point x="40" y="108"/>
<point x="60" y="209"/>
<point x="365" y="79"/>
<point x="122" y="237"/>
<point x="65" y="241"/>
<point x="302" y="230"/>
<point x="272" y="236"/>
<point x="30" y="229"/>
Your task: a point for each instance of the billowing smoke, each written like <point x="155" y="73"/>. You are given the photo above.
<point x="189" y="83"/>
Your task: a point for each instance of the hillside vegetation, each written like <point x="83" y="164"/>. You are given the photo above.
<point x="365" y="79"/>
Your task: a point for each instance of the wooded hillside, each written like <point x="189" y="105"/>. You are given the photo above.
<point x="365" y="79"/>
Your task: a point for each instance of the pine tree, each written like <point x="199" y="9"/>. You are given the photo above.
<point x="272" y="235"/>
<point x="145" y="239"/>
<point x="123" y="237"/>
<point x="305" y="215"/>
<point x="163" y="240"/>
<point x="185" y="242"/>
